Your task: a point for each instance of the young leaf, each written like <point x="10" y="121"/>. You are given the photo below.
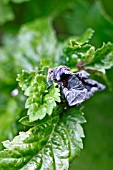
<point x="77" y="55"/>
<point x="48" y="145"/>
<point x="103" y="58"/>
<point x="25" y="79"/>
<point x="41" y="99"/>
<point x="85" y="37"/>
<point x="73" y="53"/>
<point x="84" y="14"/>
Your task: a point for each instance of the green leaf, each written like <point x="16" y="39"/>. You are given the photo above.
<point x="35" y="39"/>
<point x="85" y="14"/>
<point x="25" y="79"/>
<point x="30" y="47"/>
<point x="102" y="58"/>
<point x="85" y="37"/>
<point x="80" y="51"/>
<point x="9" y="116"/>
<point x="73" y="53"/>
<point x="49" y="145"/>
<point x="41" y="98"/>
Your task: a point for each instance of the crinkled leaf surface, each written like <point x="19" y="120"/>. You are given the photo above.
<point x="36" y="42"/>
<point x="102" y="58"/>
<point x="13" y="61"/>
<point x="48" y="145"/>
<point x="85" y="37"/>
<point x="36" y="38"/>
<point x="41" y="98"/>
<point x="80" y="51"/>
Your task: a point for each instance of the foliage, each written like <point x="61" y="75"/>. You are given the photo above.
<point x="13" y="61"/>
<point x="36" y="43"/>
<point x="41" y="99"/>
<point x="53" y="136"/>
<point x="9" y="127"/>
<point x="82" y="15"/>
<point x="79" y="51"/>
<point x="48" y="144"/>
<point x="58" y="129"/>
<point x="5" y="8"/>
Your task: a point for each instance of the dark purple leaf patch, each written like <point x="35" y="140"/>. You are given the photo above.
<point x="76" y="87"/>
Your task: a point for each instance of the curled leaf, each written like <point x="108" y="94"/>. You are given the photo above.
<point x="76" y="87"/>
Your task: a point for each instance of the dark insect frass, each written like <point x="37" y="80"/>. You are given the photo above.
<point x="76" y="87"/>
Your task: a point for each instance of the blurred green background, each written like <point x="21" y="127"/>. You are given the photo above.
<point x="69" y="18"/>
